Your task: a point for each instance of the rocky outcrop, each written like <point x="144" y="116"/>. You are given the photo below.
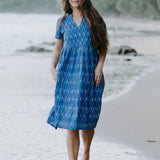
<point x="123" y="50"/>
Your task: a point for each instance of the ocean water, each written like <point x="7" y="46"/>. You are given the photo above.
<point x="27" y="90"/>
<point x="19" y="31"/>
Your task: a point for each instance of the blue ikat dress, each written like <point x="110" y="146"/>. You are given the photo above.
<point x="77" y="103"/>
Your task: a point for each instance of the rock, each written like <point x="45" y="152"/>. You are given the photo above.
<point x="127" y="59"/>
<point x="34" y="49"/>
<point x="123" y="50"/>
<point x="151" y="141"/>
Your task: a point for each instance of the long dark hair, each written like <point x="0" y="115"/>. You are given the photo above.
<point x="98" y="29"/>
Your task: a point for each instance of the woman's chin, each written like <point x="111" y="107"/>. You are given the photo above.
<point x="75" y="5"/>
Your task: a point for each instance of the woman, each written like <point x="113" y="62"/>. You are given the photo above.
<point x="80" y="51"/>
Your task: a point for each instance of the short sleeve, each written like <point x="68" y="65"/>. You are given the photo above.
<point x="59" y="34"/>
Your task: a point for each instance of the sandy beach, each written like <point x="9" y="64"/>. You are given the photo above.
<point x="26" y="97"/>
<point x="133" y="117"/>
<point x="128" y="128"/>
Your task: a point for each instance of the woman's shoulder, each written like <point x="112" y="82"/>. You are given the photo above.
<point x="67" y="16"/>
<point x="64" y="23"/>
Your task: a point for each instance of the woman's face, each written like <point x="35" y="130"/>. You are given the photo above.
<point x="75" y="3"/>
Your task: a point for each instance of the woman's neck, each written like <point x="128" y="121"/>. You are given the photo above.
<point x="76" y="13"/>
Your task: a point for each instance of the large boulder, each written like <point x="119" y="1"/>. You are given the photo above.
<point x="123" y="50"/>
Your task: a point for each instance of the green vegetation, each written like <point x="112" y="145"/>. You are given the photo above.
<point x="36" y="6"/>
<point x="136" y="8"/>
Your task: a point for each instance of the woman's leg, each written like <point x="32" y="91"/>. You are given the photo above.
<point x="87" y="136"/>
<point x="73" y="143"/>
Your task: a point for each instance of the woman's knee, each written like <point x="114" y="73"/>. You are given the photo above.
<point x="73" y="132"/>
<point x="87" y="132"/>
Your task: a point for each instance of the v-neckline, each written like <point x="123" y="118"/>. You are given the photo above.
<point x="75" y="22"/>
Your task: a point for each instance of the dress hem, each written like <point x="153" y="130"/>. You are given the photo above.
<point x="62" y="127"/>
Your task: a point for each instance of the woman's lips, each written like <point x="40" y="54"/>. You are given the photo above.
<point x="75" y="1"/>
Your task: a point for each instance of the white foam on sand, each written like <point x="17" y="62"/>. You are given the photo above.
<point x="130" y="84"/>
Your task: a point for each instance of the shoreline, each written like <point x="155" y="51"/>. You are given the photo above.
<point x="129" y="86"/>
<point x="131" y="118"/>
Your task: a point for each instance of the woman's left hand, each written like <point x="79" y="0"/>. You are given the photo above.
<point x="98" y="71"/>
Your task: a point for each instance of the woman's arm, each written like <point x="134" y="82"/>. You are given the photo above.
<point x="101" y="60"/>
<point x="99" y="69"/>
<point x="55" y="57"/>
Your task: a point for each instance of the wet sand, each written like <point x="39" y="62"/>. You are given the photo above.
<point x="133" y="117"/>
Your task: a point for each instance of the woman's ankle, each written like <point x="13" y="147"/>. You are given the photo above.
<point x="85" y="156"/>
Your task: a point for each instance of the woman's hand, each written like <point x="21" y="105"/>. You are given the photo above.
<point x="54" y="73"/>
<point x="98" y="71"/>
